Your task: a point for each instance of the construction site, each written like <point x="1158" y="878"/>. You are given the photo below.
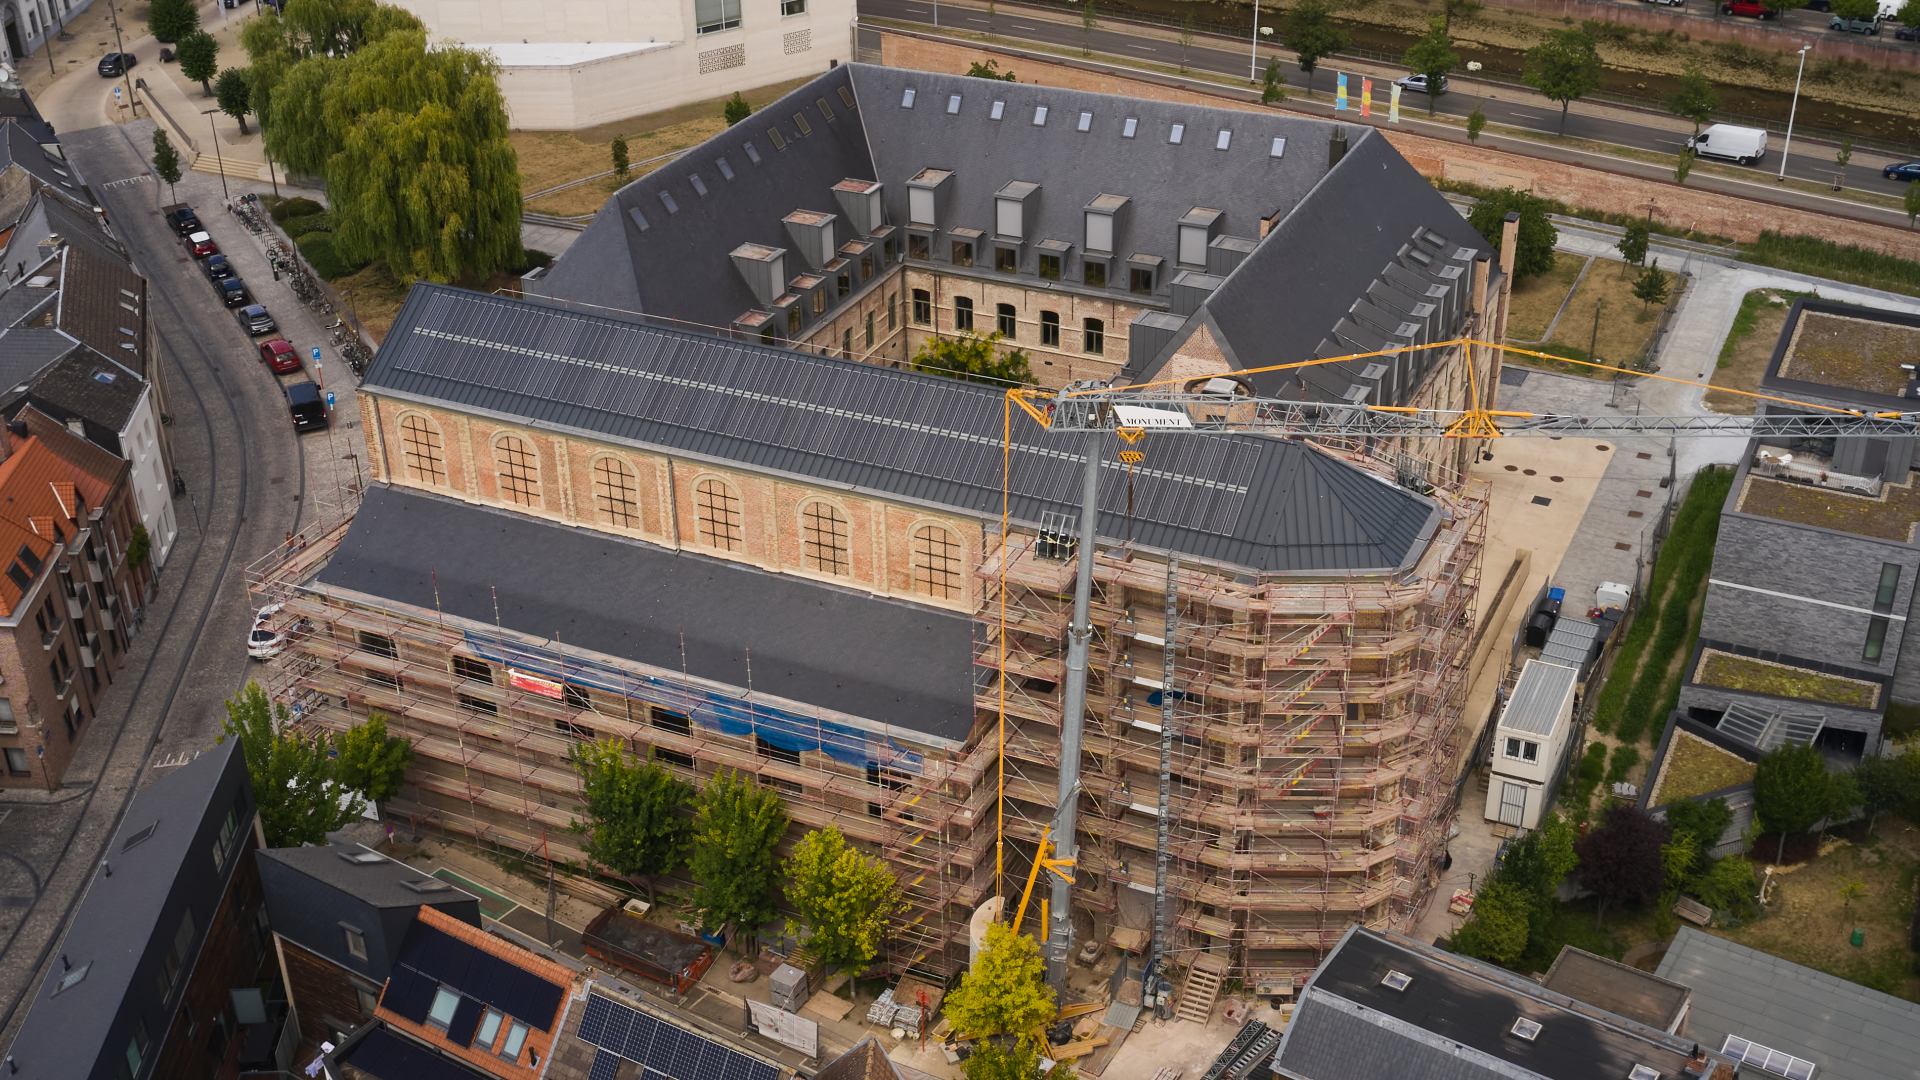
<point x="1311" y="730"/>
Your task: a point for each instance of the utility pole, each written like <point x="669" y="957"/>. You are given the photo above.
<point x="1073" y="722"/>
<point x="126" y="69"/>
<point x="217" y="157"/>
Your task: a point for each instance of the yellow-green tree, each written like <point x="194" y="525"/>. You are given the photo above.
<point x="296" y="777"/>
<point x="844" y="898"/>
<point x="1004" y="990"/>
<point x="373" y="762"/>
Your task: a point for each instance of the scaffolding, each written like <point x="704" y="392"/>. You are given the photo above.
<point x="1309" y="776"/>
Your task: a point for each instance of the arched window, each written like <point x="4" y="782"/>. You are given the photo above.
<point x="420" y="448"/>
<point x="614" y="489"/>
<point x="824" y="538"/>
<point x="519" y="471"/>
<point x="718" y="510"/>
<point x="1007" y="322"/>
<point x="936" y="563"/>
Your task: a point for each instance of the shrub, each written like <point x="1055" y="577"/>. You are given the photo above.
<point x="308" y="223"/>
<point x="295" y="207"/>
<point x="318" y="250"/>
<point x="1623" y="760"/>
<point x="1727" y="885"/>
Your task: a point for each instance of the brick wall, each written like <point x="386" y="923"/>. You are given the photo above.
<point x="322" y="993"/>
<point x="232" y="954"/>
<point x="1593" y="188"/>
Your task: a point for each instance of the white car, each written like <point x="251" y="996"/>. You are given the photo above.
<point x="263" y="641"/>
<point x="1418" y="84"/>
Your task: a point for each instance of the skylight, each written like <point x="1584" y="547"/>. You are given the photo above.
<point x="1222" y="140"/>
<point x="753" y="152"/>
<point x="1086" y="122"/>
<point x="1039" y="116"/>
<point x="1526" y="1029"/>
<point x="363" y="858"/>
<point x="1396" y="980"/>
<point x="1279" y="146"/>
<point x="72" y="978"/>
<point x="906" y="98"/>
<point x="726" y="170"/>
<point x="699" y="185"/>
<point x="1773" y="1061"/>
<point x="1127" y="129"/>
<point x="1642" y="1072"/>
<point x="666" y="200"/>
<point x="953" y="105"/>
<point x="999" y="109"/>
<point x="1179" y="132"/>
<point x="800" y="121"/>
<point x="639" y="219"/>
<point x="140" y="837"/>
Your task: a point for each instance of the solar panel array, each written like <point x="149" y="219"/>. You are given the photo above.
<point x="619" y="1031"/>
<point x="1773" y="1061"/>
<point x="438" y="957"/>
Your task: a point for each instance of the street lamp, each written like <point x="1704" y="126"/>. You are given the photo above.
<point x="126" y="69"/>
<point x="218" y="159"/>
<point x="1253" y="65"/>
<point x="1794" y="108"/>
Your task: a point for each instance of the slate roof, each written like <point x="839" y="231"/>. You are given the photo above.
<point x="1848" y="1031"/>
<point x="103" y="303"/>
<point x="72" y="386"/>
<point x="1265" y="504"/>
<point x="1335" y="227"/>
<point x="888" y="661"/>
<point x="868" y="1060"/>
<point x="1453" y="1021"/>
<point x="22" y="147"/>
<point x="26" y="351"/>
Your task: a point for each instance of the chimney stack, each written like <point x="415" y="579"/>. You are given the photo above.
<point x="1336" y="147"/>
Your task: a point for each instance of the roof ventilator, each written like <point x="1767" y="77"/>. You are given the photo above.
<point x="1526" y="1029"/>
<point x="1396" y="980"/>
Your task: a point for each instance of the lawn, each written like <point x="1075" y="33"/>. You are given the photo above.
<point x="1762" y="677"/>
<point x="1835" y="350"/>
<point x="1695" y="767"/>
<point x="1889" y="517"/>
<point x="1605" y="318"/>
<point x="1536" y="299"/>
<point x="1748" y="349"/>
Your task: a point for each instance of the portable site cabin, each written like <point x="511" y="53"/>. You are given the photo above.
<point x="1530" y="743"/>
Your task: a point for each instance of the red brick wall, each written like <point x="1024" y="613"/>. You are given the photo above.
<point x="1597" y="189"/>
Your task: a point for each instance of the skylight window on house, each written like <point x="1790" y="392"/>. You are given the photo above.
<point x="726" y="170"/>
<point x="699" y="185"/>
<point x="1039" y="116"/>
<point x="753" y="152"/>
<point x="999" y="109"/>
<point x="1222" y="140"/>
<point x="1179" y="132"/>
<point x="1086" y="122"/>
<point x="1128" y="129"/>
<point x="906" y="98"/>
<point x="953" y="105"/>
<point x="1279" y="146"/>
<point x="666" y="200"/>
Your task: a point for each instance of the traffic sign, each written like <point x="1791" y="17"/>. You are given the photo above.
<point x="316" y="354"/>
<point x="116" y="93"/>
<point x="329" y="399"/>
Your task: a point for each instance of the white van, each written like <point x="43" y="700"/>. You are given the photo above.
<point x="1742" y="144"/>
<point x="1890" y="9"/>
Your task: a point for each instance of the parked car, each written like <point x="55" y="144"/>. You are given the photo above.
<point x="233" y="292"/>
<point x="1906" y="33"/>
<point x="183" y="219"/>
<point x="1669" y="3"/>
<point x="256" y="320"/>
<point x="264" y="642"/>
<point x="1909" y="170"/>
<point x="218" y="267"/>
<point x="1752" y="9"/>
<point x="1418" y="84"/>
<point x="280" y="356"/>
<point x="115" y="64"/>
<point x="1743" y="145"/>
<point x="308" y="407"/>
<point x="201" y="245"/>
<point x="1855" y="26"/>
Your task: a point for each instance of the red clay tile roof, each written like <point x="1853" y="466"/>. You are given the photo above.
<point x="31" y="510"/>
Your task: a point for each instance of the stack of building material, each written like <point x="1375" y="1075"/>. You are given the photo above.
<point x="882" y="1010"/>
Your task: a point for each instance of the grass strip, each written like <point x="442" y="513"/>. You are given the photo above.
<point x="1692" y="550"/>
<point x="1555" y="206"/>
<point x="1841" y="262"/>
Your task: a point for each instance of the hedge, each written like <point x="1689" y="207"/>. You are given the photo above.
<point x="317" y="249"/>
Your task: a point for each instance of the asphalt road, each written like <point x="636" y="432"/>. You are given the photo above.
<point x="235" y="447"/>
<point x="1504" y="105"/>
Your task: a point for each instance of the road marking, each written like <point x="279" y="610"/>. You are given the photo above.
<point x="1529" y="116"/>
<point x="972" y="19"/>
<point x="175" y="760"/>
<point x="1672" y="142"/>
<point x="1142" y="48"/>
<point x="142" y="178"/>
<point x="1017" y="26"/>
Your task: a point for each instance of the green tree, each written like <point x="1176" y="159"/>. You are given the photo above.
<point x="737" y="109"/>
<point x="1088" y="20"/>
<point x="1706" y="822"/>
<point x="736" y="827"/>
<point x="1186" y="39"/>
<point x="1433" y="56"/>
<point x="1633" y="246"/>
<point x="234" y="93"/>
<point x="1308" y="30"/>
<point x="1781" y="7"/>
<point x="1621" y="861"/>
<point x="975" y="358"/>
<point x="620" y="162"/>
<point x="1911" y="201"/>
<point x="1727" y="885"/>
<point x="1476" y="123"/>
<point x="1694" y="98"/>
<point x="991" y="1061"/>
<point x="1887" y="782"/>
<point x="296" y="778"/>
<point x="1843" y="798"/>
<point x="844" y="897"/>
<point x="1271" y="92"/>
<point x="1677" y="856"/>
<point x="1501" y="911"/>
<point x="989" y="70"/>
<point x="413" y="145"/>
<point x="1565" y="67"/>
<point x="166" y="161"/>
<point x="1651" y="286"/>
<point x="373" y="762"/>
<point x="1845" y="153"/>
<point x="139" y="546"/>
<point x="199" y="56"/>
<point x="1790" y="791"/>
<point x="1005" y="989"/>
<point x="1681" y="170"/>
<point x="1537" y="234"/>
<point x="1458" y="9"/>
<point x="636" y="825"/>
<point x="1909" y="13"/>
<point x="1851" y="889"/>
<point x="170" y="20"/>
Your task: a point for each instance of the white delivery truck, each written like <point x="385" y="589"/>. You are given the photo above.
<point x="1742" y="144"/>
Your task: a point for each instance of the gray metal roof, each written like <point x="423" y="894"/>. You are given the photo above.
<point x="1572" y="642"/>
<point x="1537" y="698"/>
<point x="1453" y="1020"/>
<point x="376" y="882"/>
<point x="1848" y="1031"/>
<point x="1266" y="504"/>
<point x="888" y="661"/>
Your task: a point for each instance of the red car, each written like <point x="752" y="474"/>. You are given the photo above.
<point x="280" y="356"/>
<point x="201" y="245"/>
<point x="1750" y="8"/>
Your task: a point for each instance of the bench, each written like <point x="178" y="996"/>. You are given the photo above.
<point x="1693" y="911"/>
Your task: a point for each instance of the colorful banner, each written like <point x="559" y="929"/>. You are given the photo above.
<point x="1340" y="95"/>
<point x="1366" y="97"/>
<point x="534" y="684"/>
<point x="1393" y="107"/>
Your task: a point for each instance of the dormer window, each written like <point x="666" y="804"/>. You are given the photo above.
<point x="924" y="197"/>
<point x="1197" y="228"/>
<point x="1010" y="206"/>
<point x="1104" y="216"/>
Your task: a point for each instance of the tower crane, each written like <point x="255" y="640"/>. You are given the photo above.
<point x="1094" y="410"/>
